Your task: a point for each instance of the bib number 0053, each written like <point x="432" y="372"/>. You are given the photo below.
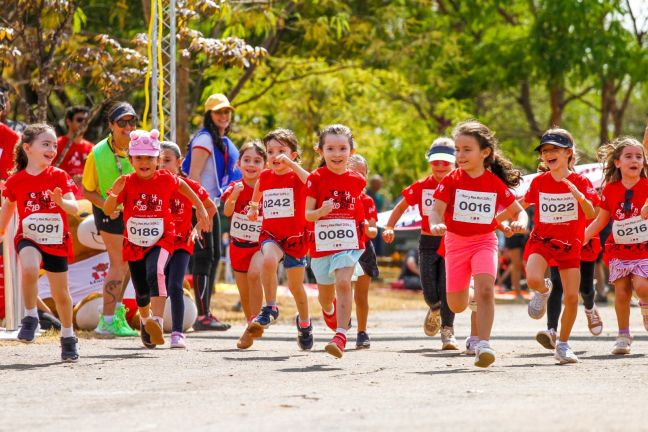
<point x="243" y="229"/>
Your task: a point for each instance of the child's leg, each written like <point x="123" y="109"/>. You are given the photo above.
<point x="272" y="254"/>
<point x="61" y="295"/>
<point x="112" y="290"/>
<point x="325" y="296"/>
<point x="344" y="295"/>
<point x="458" y="300"/>
<point x="484" y="293"/>
<point x="536" y="268"/>
<point x="587" y="283"/>
<point x="255" y="288"/>
<point x="156" y="261"/>
<point x="244" y="292"/>
<point x="571" y="283"/>
<point x="640" y="285"/>
<point x="175" y="272"/>
<point x="361" y="297"/>
<point x="296" y="286"/>
<point x="554" y="304"/>
<point x="29" y="260"/>
<point x="447" y="316"/>
<point x="622" y="297"/>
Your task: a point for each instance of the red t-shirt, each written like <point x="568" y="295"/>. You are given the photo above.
<point x="74" y="160"/>
<point x="342" y="229"/>
<point x="147" y="220"/>
<point x="421" y="193"/>
<point x="8" y="140"/>
<point x="472" y="202"/>
<point x="242" y="229"/>
<point x="180" y="207"/>
<point x="283" y="202"/>
<point x="557" y="214"/>
<point x="40" y="219"/>
<point x="370" y="211"/>
<point x="627" y="241"/>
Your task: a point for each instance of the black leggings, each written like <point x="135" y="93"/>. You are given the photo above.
<point x="174" y="273"/>
<point x="147" y="275"/>
<point x="554" y="304"/>
<point x="433" y="278"/>
<point x="205" y="262"/>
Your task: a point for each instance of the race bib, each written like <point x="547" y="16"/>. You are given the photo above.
<point x="243" y="229"/>
<point x="630" y="231"/>
<point x="557" y="208"/>
<point x="278" y="203"/>
<point x="427" y="201"/>
<point x="144" y="232"/>
<point x="336" y="235"/>
<point x="474" y="207"/>
<point x="43" y="228"/>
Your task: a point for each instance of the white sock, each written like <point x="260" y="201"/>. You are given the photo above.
<point x="67" y="332"/>
<point x="117" y="305"/>
<point x="484" y="342"/>
<point x="144" y="319"/>
<point x="341" y="330"/>
<point x="108" y="319"/>
<point x="159" y="320"/>
<point x="589" y="311"/>
<point x="33" y="312"/>
<point x="330" y="311"/>
<point x="561" y="342"/>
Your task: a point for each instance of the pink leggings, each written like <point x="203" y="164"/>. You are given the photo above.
<point x="469" y="256"/>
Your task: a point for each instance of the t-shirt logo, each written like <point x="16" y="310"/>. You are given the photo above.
<point x="148" y="202"/>
<point x="39" y="201"/>
<point x="176" y="207"/>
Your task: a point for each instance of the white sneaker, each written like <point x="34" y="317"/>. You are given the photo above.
<point x="538" y="304"/>
<point x="564" y="353"/>
<point x="448" y="340"/>
<point x="622" y="345"/>
<point x="484" y="355"/>
<point x="594" y="321"/>
<point x="547" y="338"/>
<point x="471" y="344"/>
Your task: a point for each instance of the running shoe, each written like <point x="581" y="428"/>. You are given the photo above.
<point x="538" y="304"/>
<point x="154" y="329"/>
<point x="69" y="351"/>
<point x="28" y="328"/>
<point x="337" y="345"/>
<point x="564" y="353"/>
<point x="622" y="345"/>
<point x="594" y="321"/>
<point x="362" y="341"/>
<point x="246" y="340"/>
<point x="471" y="344"/>
<point x="103" y="328"/>
<point x="304" y="335"/>
<point x="120" y="325"/>
<point x="547" y="338"/>
<point x="47" y="321"/>
<point x="448" y="340"/>
<point x="178" y="340"/>
<point x="432" y="322"/>
<point x="210" y="322"/>
<point x="265" y="319"/>
<point x="644" y="313"/>
<point x="484" y="354"/>
<point x="145" y="337"/>
<point x="331" y="320"/>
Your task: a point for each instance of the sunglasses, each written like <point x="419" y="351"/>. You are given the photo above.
<point x="627" y="203"/>
<point x="123" y="123"/>
<point x="440" y="163"/>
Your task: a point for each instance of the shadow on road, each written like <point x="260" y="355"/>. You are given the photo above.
<point x="613" y="357"/>
<point x="272" y="359"/>
<point x="313" y="368"/>
<point x="28" y="367"/>
<point x="455" y="371"/>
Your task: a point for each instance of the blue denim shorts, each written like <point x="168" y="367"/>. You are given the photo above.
<point x="288" y="260"/>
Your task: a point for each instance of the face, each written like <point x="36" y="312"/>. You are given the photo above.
<point x="630" y="161"/>
<point x="468" y="153"/>
<point x="78" y="119"/>
<point x="441" y="168"/>
<point x="336" y="151"/>
<point x="42" y="151"/>
<point x="122" y="128"/>
<point x="144" y="166"/>
<point x="251" y="164"/>
<point x="169" y="161"/>
<point x="275" y="148"/>
<point x="555" y="157"/>
<point x="358" y="167"/>
<point x="222" y="118"/>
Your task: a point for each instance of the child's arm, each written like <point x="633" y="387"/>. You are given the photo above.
<point x="388" y="235"/>
<point x="111" y="202"/>
<point x="210" y="207"/>
<point x="437" y="227"/>
<point x="520" y="218"/>
<point x="204" y="223"/>
<point x="297" y="169"/>
<point x="586" y="205"/>
<point x="597" y="225"/>
<point x="313" y="214"/>
<point x="230" y="202"/>
<point x="253" y="211"/>
<point x="7" y="212"/>
<point x="371" y="230"/>
<point x="67" y="202"/>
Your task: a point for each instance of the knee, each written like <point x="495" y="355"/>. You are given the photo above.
<point x="570" y="299"/>
<point x="535" y="281"/>
<point x="269" y="264"/>
<point x="29" y="272"/>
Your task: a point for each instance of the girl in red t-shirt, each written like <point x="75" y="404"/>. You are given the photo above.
<point x="244" y="234"/>
<point x="441" y="157"/>
<point x="465" y="207"/>
<point x="43" y="196"/>
<point x="334" y="207"/>
<point x="281" y="190"/>
<point x="564" y="201"/>
<point x="183" y="247"/>
<point x="149" y="237"/>
<point x="624" y="200"/>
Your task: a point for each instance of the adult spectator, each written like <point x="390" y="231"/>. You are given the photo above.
<point x="5" y="103"/>
<point x="75" y="157"/>
<point x="410" y="272"/>
<point x="211" y="161"/>
<point x="107" y="161"/>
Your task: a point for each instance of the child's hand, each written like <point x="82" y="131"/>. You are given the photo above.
<point x="577" y="194"/>
<point x="388" y="235"/>
<point x="236" y="191"/>
<point x="118" y="185"/>
<point x="284" y="160"/>
<point x="438" y="230"/>
<point x="203" y="219"/>
<point x="517" y="227"/>
<point x="56" y="195"/>
<point x="253" y="213"/>
<point x="506" y="229"/>
<point x="195" y="236"/>
<point x="644" y="211"/>
<point x="327" y="207"/>
<point x="114" y="215"/>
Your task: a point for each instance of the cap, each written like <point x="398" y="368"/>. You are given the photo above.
<point x="441" y="153"/>
<point x="143" y="143"/>
<point x="555" y="139"/>
<point x="217" y="102"/>
<point x="120" y="110"/>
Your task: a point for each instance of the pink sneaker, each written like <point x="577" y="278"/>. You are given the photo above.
<point x="178" y="340"/>
<point x="337" y="345"/>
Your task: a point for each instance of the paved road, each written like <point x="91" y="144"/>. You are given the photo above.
<point x="404" y="382"/>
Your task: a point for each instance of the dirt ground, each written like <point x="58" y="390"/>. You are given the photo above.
<point x="404" y="382"/>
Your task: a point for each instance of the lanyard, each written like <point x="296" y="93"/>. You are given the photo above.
<point x="117" y="161"/>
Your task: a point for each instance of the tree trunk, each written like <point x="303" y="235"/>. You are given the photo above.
<point x="524" y="99"/>
<point x="557" y="97"/>
<point x="607" y="96"/>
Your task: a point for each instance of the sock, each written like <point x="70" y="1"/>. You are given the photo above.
<point x="159" y="320"/>
<point x="484" y="341"/>
<point x="118" y="305"/>
<point x="561" y="342"/>
<point x="341" y="330"/>
<point x="589" y="311"/>
<point x="67" y="332"/>
<point x="272" y="303"/>
<point x="303" y="324"/>
<point x="143" y="319"/>
<point x="624" y="332"/>
<point x="330" y="311"/>
<point x="108" y="319"/>
<point x="33" y="312"/>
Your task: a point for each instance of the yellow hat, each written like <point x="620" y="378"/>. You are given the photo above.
<point x="217" y="102"/>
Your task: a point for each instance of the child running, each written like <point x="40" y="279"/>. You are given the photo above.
<point x="183" y="247"/>
<point x="564" y="201"/>
<point x="335" y="208"/>
<point x="368" y="262"/>
<point x="282" y="192"/>
<point x="441" y="157"/>
<point x="43" y="195"/>
<point x="244" y="234"/>
<point x="149" y="236"/>
<point x="464" y="210"/>
<point x="624" y="200"/>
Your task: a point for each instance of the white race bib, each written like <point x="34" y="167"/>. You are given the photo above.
<point x="43" y="228"/>
<point x="557" y="208"/>
<point x="427" y="201"/>
<point x="144" y="232"/>
<point x="630" y="231"/>
<point x="278" y="203"/>
<point x="336" y="235"/>
<point x="474" y="207"/>
<point x="243" y="229"/>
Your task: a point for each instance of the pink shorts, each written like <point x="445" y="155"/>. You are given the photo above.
<point x="469" y="256"/>
<point x="622" y="268"/>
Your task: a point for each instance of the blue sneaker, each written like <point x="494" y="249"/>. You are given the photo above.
<point x="28" y="328"/>
<point x="362" y="341"/>
<point x="304" y="335"/>
<point x="266" y="318"/>
<point x="69" y="351"/>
